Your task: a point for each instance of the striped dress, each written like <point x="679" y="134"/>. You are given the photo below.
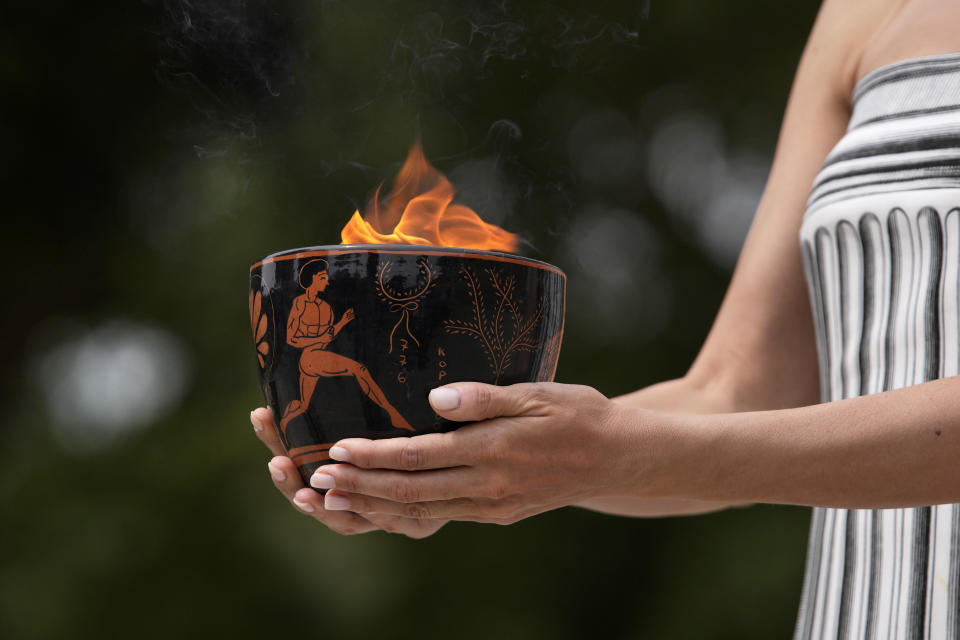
<point x="881" y="247"/>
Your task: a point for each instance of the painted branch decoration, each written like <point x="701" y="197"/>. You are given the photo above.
<point x="503" y="332"/>
<point x="404" y="300"/>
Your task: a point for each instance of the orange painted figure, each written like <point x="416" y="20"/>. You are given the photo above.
<point x="311" y="327"/>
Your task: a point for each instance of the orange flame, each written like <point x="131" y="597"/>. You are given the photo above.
<point x="419" y="210"/>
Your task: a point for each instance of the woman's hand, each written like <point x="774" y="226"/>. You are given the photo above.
<point x="287" y="479"/>
<point x="538" y="447"/>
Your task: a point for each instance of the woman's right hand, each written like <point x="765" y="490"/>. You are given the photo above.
<point x="306" y="500"/>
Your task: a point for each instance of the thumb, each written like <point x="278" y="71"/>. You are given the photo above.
<point x="471" y="401"/>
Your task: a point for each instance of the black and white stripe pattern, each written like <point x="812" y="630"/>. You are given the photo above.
<point x="904" y="133"/>
<point x="881" y="248"/>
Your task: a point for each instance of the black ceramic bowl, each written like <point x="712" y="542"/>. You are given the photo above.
<point x="351" y="338"/>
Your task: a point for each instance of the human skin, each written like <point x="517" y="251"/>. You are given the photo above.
<point x="286" y="478"/>
<point x="742" y="425"/>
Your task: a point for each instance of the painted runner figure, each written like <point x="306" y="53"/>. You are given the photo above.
<point x="311" y="327"/>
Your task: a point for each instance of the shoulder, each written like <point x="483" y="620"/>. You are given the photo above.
<point x="917" y="28"/>
<point x="300" y="302"/>
<point x="842" y="33"/>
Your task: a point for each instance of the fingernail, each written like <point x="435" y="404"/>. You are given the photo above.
<point x="336" y="503"/>
<point x="445" y="399"/>
<point x="257" y="426"/>
<point x="277" y="475"/>
<point x="339" y="453"/>
<point x="322" y="481"/>
<point x="303" y="506"/>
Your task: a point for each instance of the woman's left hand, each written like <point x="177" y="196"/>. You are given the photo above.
<point x="534" y="447"/>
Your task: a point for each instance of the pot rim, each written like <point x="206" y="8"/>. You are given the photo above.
<point x="429" y="250"/>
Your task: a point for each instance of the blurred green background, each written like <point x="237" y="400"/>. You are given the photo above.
<point x="151" y="151"/>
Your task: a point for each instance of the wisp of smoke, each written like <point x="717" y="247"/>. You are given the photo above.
<point x="234" y="58"/>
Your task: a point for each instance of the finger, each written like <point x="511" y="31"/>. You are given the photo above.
<point x="459" y="508"/>
<point x="417" y="529"/>
<point x="263" y="426"/>
<point x="472" y="401"/>
<point x="285" y="476"/>
<point x="287" y="479"/>
<point x="430" y="451"/>
<point x="402" y="486"/>
<point x="346" y="523"/>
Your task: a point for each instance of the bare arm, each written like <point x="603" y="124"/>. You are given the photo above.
<point x="761" y="353"/>
<point x="894" y="449"/>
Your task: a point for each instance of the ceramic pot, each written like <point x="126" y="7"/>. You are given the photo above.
<point x="350" y="339"/>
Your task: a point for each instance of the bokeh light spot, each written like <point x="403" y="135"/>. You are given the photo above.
<point x="101" y="383"/>
<point x="705" y="185"/>
<point x="621" y="288"/>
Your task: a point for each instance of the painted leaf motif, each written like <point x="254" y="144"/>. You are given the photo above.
<point x="262" y="327"/>
<point x="259" y="325"/>
<point x="257" y="302"/>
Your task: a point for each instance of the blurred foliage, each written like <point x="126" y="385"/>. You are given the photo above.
<point x="152" y="151"/>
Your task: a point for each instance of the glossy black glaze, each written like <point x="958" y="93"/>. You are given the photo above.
<point x="422" y="317"/>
